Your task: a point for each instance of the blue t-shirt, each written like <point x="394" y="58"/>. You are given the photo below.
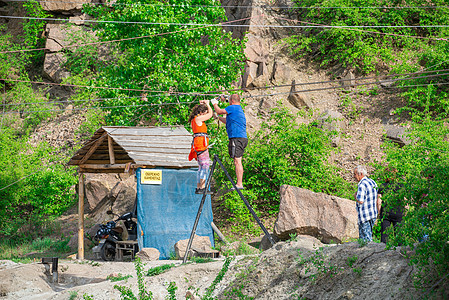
<point x="235" y="122"/>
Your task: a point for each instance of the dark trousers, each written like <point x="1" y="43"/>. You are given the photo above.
<point x="383" y="227"/>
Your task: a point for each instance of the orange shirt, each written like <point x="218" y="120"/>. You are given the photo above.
<point x="200" y="143"/>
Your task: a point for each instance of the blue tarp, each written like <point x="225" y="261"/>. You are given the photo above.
<point x="166" y="212"/>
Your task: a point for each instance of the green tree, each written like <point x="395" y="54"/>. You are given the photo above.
<point x="423" y="169"/>
<point x="172" y="60"/>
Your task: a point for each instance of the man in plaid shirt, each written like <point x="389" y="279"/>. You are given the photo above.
<point x="366" y="198"/>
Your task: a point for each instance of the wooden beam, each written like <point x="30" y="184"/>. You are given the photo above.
<point x="111" y="150"/>
<point x="93" y="148"/>
<point x="81" y="216"/>
<point x="103" y="167"/>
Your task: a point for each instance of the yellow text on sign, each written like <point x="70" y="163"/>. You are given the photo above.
<point x="151" y="177"/>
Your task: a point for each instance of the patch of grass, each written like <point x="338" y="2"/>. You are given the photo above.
<point x="159" y="270"/>
<point x="351" y="260"/>
<point x="357" y="271"/>
<point x="25" y="250"/>
<point x="73" y="295"/>
<point x="119" y="277"/>
<point x="200" y="260"/>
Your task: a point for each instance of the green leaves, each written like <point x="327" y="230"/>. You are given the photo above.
<point x="423" y="169"/>
<point x="171" y="61"/>
<point x="399" y="50"/>
<point x="282" y="152"/>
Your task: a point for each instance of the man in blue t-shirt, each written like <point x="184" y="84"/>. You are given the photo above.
<point x="236" y="129"/>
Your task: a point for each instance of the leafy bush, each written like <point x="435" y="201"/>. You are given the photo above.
<point x="32" y="190"/>
<point x="423" y="169"/>
<point x="282" y="152"/>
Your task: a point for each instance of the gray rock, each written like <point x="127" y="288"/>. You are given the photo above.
<point x="281" y="73"/>
<point x="148" y="254"/>
<point x="348" y="79"/>
<point x="398" y="135"/>
<point x="332" y="121"/>
<point x="328" y="218"/>
<point x="298" y="99"/>
<point x="66" y="7"/>
<point x="256" y="50"/>
<point x="59" y="36"/>
<point x="249" y="74"/>
<point x="262" y="77"/>
<point x="53" y="67"/>
<point x="199" y="243"/>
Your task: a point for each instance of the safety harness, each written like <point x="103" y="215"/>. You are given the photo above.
<point x="200" y="142"/>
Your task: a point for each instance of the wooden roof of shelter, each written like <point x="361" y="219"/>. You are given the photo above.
<point x="116" y="149"/>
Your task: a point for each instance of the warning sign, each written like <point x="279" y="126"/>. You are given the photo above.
<point x="151" y="177"/>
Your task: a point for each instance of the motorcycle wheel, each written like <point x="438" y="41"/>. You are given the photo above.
<point x="107" y="252"/>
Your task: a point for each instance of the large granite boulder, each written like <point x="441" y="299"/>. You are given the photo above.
<point x="200" y="244"/>
<point x="328" y="218"/>
<point x="148" y="254"/>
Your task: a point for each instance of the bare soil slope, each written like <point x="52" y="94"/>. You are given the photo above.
<point x="289" y="270"/>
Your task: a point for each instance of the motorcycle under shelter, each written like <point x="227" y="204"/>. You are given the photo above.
<point x="166" y="180"/>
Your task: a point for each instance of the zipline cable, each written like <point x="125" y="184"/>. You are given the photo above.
<point x="228" y="25"/>
<point x="237" y="6"/>
<point x="124" y="39"/>
<point x="214" y="93"/>
<point x="250" y="96"/>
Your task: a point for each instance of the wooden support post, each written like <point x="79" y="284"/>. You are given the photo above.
<point x="81" y="216"/>
<point x="219" y="234"/>
<point x="111" y="150"/>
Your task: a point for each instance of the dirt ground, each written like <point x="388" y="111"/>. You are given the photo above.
<point x="290" y="270"/>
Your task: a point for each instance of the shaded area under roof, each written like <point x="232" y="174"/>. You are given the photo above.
<point x="115" y="149"/>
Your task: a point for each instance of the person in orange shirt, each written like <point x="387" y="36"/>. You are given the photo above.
<point x="200" y="113"/>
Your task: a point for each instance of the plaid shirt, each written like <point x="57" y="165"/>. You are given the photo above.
<point x="366" y="193"/>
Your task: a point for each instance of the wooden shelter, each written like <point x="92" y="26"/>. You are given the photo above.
<point x="119" y="149"/>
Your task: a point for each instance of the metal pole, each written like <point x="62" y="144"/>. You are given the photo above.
<point x="245" y="201"/>
<point x="198" y="215"/>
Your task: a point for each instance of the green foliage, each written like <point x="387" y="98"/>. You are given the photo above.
<point x="316" y="264"/>
<point x="15" y="249"/>
<point x="88" y="297"/>
<point x="119" y="277"/>
<point x="126" y="293"/>
<point x="242" y="249"/>
<point x="171" y="59"/>
<point x="33" y="191"/>
<point x="390" y="49"/>
<point x="357" y="271"/>
<point x="282" y="152"/>
<point x="73" y="295"/>
<point x="171" y="291"/>
<point x="33" y="28"/>
<point x="423" y="170"/>
<point x="217" y="280"/>
<point x="351" y="260"/>
<point x="159" y="270"/>
<point x="201" y="260"/>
